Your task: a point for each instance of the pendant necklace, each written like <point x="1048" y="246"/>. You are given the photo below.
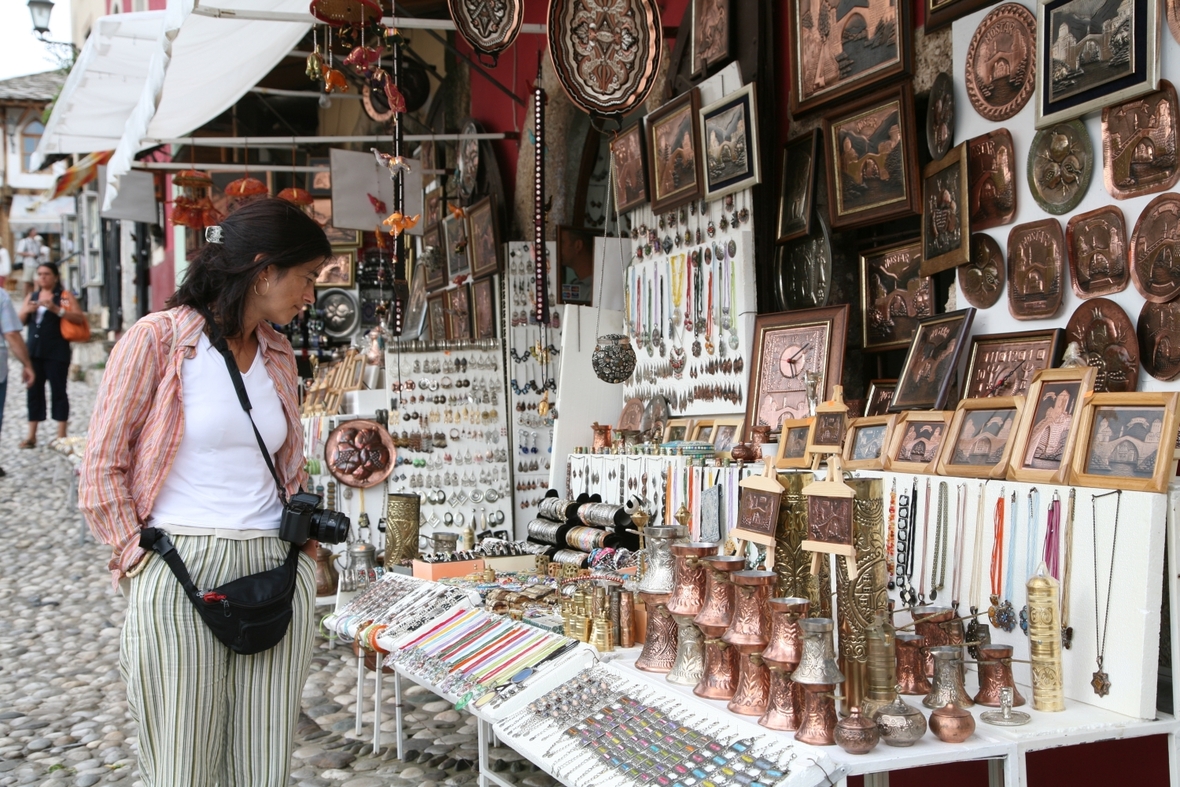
<point x="733" y="331"/>
<point x="661" y="302"/>
<point x="891" y="535"/>
<point x="941" y="536"/>
<point x="709" y="325"/>
<point x="698" y="300"/>
<point x="1101" y="681"/>
<point x="1030" y="555"/>
<point x="977" y="633"/>
<point x="1066" y="573"/>
<point x="676" y="271"/>
<point x="1010" y="575"/>
<point x="960" y="523"/>
<point x="1000" y="614"/>
<point x="925" y="547"/>
<point x="688" y="260"/>
<point x="648" y="330"/>
<point x="905" y="545"/>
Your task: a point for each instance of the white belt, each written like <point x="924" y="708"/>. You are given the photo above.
<point x="217" y="532"/>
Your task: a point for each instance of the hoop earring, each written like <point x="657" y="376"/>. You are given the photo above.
<point x="260" y="294"/>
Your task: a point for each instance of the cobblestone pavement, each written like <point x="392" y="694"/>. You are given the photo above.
<point x="63" y="708"/>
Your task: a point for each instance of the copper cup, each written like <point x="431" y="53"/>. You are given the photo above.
<point x="911" y="664"/>
<point x="939" y="626"/>
<point x="717" y="609"/>
<point x="995" y="674"/>
<point x="659" y="647"/>
<point x="818" y="725"/>
<point x="721" y="671"/>
<point x="750" y="625"/>
<point x="785" y="646"/>
<point x="753" y="686"/>
<point x="688" y="572"/>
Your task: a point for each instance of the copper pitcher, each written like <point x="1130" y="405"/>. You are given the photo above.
<point x="911" y="664"/>
<point x="719" y="681"/>
<point x="818" y="725"/>
<point x="995" y="674"/>
<point x="940" y="627"/>
<point x="659" y="647"/>
<point x="817" y="665"/>
<point x="784" y="704"/>
<point x="688" y="577"/>
<point x="657" y="571"/>
<point x="326" y="576"/>
<point x="717" y="609"/>
<point x="689" y="665"/>
<point x="753" y="685"/>
<point x="749" y="628"/>
<point x="786" y="644"/>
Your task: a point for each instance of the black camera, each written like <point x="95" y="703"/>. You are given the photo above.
<point x="303" y="519"/>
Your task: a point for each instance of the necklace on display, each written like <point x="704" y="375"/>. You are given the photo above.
<point x="1030" y="554"/>
<point x="957" y="566"/>
<point x="1101" y="681"/>
<point x="925" y="547"/>
<point x="905" y="546"/>
<point x="890" y="536"/>
<point x="1000" y="613"/>
<point x="977" y="633"/>
<point x="1066" y="574"/>
<point x="709" y="324"/>
<point x="676" y="267"/>
<point x="941" y="536"/>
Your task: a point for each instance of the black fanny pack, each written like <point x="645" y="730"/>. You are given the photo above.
<point x="252" y="613"/>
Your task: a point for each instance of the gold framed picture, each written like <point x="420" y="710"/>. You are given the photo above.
<point x="727" y="432"/>
<point x="339" y="270"/>
<point x="827" y="436"/>
<point x="946" y="228"/>
<point x="792" y="444"/>
<point x="678" y="429"/>
<point x="1045" y="436"/>
<point x="702" y="429"/>
<point x="1124" y="441"/>
<point x="866" y="441"/>
<point x="916" y="441"/>
<point x="979" y="441"/>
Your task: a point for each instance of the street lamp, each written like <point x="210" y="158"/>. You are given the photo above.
<point x="40" y="11"/>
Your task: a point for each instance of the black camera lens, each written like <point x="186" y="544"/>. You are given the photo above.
<point x="330" y="527"/>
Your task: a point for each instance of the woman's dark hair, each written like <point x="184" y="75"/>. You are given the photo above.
<point x="218" y="280"/>
<point x="58" y="288"/>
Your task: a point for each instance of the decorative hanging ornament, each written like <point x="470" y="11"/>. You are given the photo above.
<point x="246" y="187"/>
<point x="193" y="208"/>
<point x="334" y="80"/>
<point x="338" y="13"/>
<point x="363" y="59"/>
<point x="606" y="53"/>
<point x="613" y="359"/>
<point x="489" y="27"/>
<point x="297" y="196"/>
<point x="398" y="223"/>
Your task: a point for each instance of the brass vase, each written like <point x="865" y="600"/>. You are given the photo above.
<point x="911" y="664"/>
<point x="818" y="724"/>
<point x="659" y="646"/>
<point x="403" y="516"/>
<point x="995" y="674"/>
<point x="947" y="686"/>
<point x="717" y="609"/>
<point x="882" y="667"/>
<point x="750" y="627"/>
<point x="658" y="571"/>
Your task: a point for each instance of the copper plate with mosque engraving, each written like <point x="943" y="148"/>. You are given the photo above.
<point x="1036" y="269"/>
<point x="1097" y="244"/>
<point x="1155" y="250"/>
<point x="1108" y="343"/>
<point x="1139" y="154"/>
<point x="991" y="190"/>
<point x="1000" y="69"/>
<point x="1159" y="339"/>
<point x="489" y="26"/>
<point x="982" y="279"/>
<point x="1060" y="165"/>
<point x="606" y="52"/>
<point x="804" y="269"/>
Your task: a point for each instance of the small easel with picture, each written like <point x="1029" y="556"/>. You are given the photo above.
<point x="827" y="433"/>
<point x="758" y="511"/>
<point x="829" y="518"/>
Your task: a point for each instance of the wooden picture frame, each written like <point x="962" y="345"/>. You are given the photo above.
<point x="792" y="444"/>
<point x="915" y="442"/>
<point x="727" y="432"/>
<point x="979" y="441"/>
<point x="458" y="314"/>
<point x="1116" y="434"/>
<point x="894" y="295"/>
<point x="729" y="143"/>
<point x="787" y="347"/>
<point x="435" y="261"/>
<point x="932" y="361"/>
<point x="575" y="265"/>
<point x="702" y="430"/>
<point x="483" y="309"/>
<point x="940" y="13"/>
<point x="709" y="45"/>
<point x="483" y="235"/>
<point x="866" y="442"/>
<point x="879" y="395"/>
<point x="867" y="184"/>
<point x="339" y="270"/>
<point x="1096" y="75"/>
<point x="824" y="69"/>
<point x="678" y="429"/>
<point x="436" y="316"/>
<point x="672" y="139"/>
<point x="946" y="214"/>
<point x="457" y="246"/>
<point x="1043" y="448"/>
<point x="628" y="156"/>
<point x="825" y="425"/>
<point x="797" y="186"/>
<point x="1004" y="364"/>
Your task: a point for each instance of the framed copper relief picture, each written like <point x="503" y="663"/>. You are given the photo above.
<point x="1091" y="55"/>
<point x="575" y="265"/>
<point x="978" y="442"/>
<point x="1004" y="364"/>
<point x="865" y="444"/>
<point x="792" y="444"/>
<point x="916" y="441"/>
<point x="946" y="228"/>
<point x="484" y="238"/>
<point x="710" y="34"/>
<point x="879" y="396"/>
<point x="797" y="186"/>
<point x="796" y="355"/>
<point x="932" y="361"/>
<point x="458" y="314"/>
<point x="838" y="49"/>
<point x="1043" y="444"/>
<point x="729" y="133"/>
<point x="626" y="151"/>
<point x="436" y="317"/>
<point x="872" y="159"/>
<point x="483" y="309"/>
<point x="434" y="257"/>
<point x="674" y="152"/>
<point x="457" y="246"/>
<point x="894" y="296"/>
<point x="1125" y="441"/>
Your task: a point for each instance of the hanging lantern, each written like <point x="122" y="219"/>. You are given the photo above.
<point x="338" y="13"/>
<point x="193" y="208"/>
<point x="298" y="197"/>
<point x="246" y="187"/>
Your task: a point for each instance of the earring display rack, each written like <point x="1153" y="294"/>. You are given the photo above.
<point x="534" y="366"/>
<point x="448" y="418"/>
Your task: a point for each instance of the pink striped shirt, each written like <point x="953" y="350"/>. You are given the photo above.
<point x="138" y="422"/>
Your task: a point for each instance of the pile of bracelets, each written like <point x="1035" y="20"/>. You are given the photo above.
<point x="588" y="539"/>
<point x="544" y="530"/>
<point x="396" y="603"/>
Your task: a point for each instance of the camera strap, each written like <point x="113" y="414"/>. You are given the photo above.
<point x="235" y="374"/>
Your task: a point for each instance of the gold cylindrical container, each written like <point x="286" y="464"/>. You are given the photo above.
<point x="717" y="609"/>
<point x="688" y="577"/>
<point x="911" y="664"/>
<point x="881" y="688"/>
<point x="1044" y="642"/>
<point x="719" y="681"/>
<point x="818" y="725"/>
<point x="995" y="674"/>
<point x="403" y="513"/>
<point x="659" y="646"/>
<point x="626" y="619"/>
<point x="750" y="625"/>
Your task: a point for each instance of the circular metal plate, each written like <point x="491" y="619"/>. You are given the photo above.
<point x="1155" y="250"/>
<point x="1108" y="343"/>
<point x="982" y="279"/>
<point x="1060" y="164"/>
<point x="360" y="454"/>
<point x="1097" y="245"/>
<point x="940" y="116"/>
<point x="1159" y="339"/>
<point x="490" y="26"/>
<point x="1001" y="62"/>
<point x="341" y="313"/>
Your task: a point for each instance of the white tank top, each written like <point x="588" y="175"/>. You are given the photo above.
<point x="219" y="478"/>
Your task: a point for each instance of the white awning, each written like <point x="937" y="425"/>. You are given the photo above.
<point x="201" y="67"/>
<point x="28" y="211"/>
<point x="103" y="86"/>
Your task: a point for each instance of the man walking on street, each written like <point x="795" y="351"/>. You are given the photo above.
<point x="10" y="326"/>
<point x="28" y="257"/>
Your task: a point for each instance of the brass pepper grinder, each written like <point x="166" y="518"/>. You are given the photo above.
<point x="719" y="681"/>
<point x="820" y="675"/>
<point x="657" y="571"/>
<point x="1044" y="642"/>
<point x="688" y="595"/>
<point x="882" y="661"/>
<point x="659" y="646"/>
<point x="995" y="674"/>
<point x="782" y="655"/>
<point x="947" y="687"/>
<point x="911" y="664"/>
<point x="749" y="634"/>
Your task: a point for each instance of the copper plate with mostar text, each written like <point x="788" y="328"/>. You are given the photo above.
<point x="1108" y="343"/>
<point x="940" y="116"/>
<point x="1159" y="339"/>
<point x="982" y="279"/>
<point x="1000" y="67"/>
<point x="991" y="168"/>
<point x="1060" y="165"/>
<point x="1036" y="269"/>
<point x="1139" y="144"/>
<point x="1155" y="250"/>
<point x="1097" y="244"/>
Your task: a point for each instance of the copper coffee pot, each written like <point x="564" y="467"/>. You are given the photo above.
<point x="719" y="681"/>
<point x="995" y="674"/>
<point x="659" y="646"/>
<point x="947" y="686"/>
<point x="785" y="702"/>
<point x="749" y="633"/>
<point x="326" y="576"/>
<point x="911" y="664"/>
<point x="819" y="675"/>
<point x="688" y="593"/>
<point x="818" y="725"/>
<point x="657" y="571"/>
<point x="940" y="627"/>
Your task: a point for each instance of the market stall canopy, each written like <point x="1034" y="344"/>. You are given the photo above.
<point x="103" y="86"/>
<point x="202" y="65"/>
<point x="29" y="212"/>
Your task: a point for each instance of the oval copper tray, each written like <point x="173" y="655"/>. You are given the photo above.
<point x="491" y="27"/>
<point x="346" y="457"/>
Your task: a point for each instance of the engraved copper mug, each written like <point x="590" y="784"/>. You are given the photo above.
<point x="782" y="655"/>
<point x="911" y="664"/>
<point x="687" y="598"/>
<point x="750" y="627"/>
<point x="658" y="571"/>
<point x="947" y="686"/>
<point x="939" y="626"/>
<point x="659" y="647"/>
<point x="857" y="734"/>
<point x="995" y="674"/>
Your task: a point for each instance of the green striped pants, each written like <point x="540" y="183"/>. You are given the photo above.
<point x="208" y="716"/>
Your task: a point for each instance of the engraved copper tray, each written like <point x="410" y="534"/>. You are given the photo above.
<point x="991" y="168"/>
<point x="1001" y="62"/>
<point x="360" y="453"/>
<point x="1159" y="339"/>
<point x="1108" y="343"/>
<point x="489" y="26"/>
<point x="1155" y="267"/>
<point x="982" y="279"/>
<point x="1097" y="244"/>
<point x="606" y="52"/>
<point x="631" y="419"/>
<point x="1139" y="144"/>
<point x="1060" y="165"/>
<point x="1036" y="269"/>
